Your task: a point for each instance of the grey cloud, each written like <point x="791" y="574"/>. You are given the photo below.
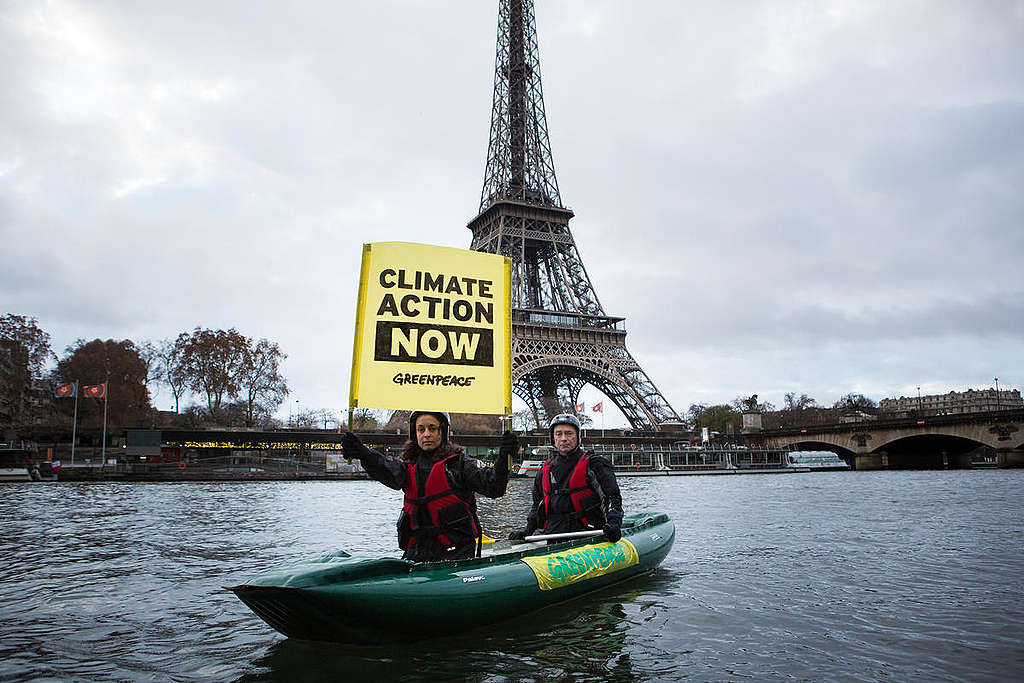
<point x="775" y="195"/>
<point x="942" y="149"/>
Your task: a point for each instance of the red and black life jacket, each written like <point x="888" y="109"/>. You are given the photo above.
<point x="586" y="504"/>
<point x="452" y="520"/>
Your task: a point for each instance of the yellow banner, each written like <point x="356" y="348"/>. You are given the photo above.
<point x="579" y="564"/>
<point x="433" y="330"/>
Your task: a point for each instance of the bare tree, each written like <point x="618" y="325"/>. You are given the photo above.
<point x="173" y="372"/>
<point x="524" y="420"/>
<point x="750" y="404"/>
<point x="260" y="378"/>
<point x="369" y="418"/>
<point x="150" y="355"/>
<point x="792" y="402"/>
<point x="859" y="401"/>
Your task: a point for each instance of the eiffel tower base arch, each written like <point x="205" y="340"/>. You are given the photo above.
<point x="552" y="386"/>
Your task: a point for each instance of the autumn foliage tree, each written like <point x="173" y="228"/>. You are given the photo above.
<point x="225" y="365"/>
<point x="212" y="361"/>
<point x="24" y="352"/>
<point x="120" y="366"/>
<point x="715" y="418"/>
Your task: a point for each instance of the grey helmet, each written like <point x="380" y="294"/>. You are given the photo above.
<point x="443" y="418"/>
<point x="564" y="419"/>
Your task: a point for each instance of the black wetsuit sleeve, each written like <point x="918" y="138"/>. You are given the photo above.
<point x="533" y="519"/>
<point x="387" y="470"/>
<point x="487" y="481"/>
<point x="605" y="475"/>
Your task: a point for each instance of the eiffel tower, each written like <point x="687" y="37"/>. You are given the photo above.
<point x="561" y="337"/>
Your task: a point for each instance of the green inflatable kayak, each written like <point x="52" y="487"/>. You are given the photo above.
<point x="351" y="599"/>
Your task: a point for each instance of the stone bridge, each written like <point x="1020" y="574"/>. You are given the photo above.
<point x="991" y="439"/>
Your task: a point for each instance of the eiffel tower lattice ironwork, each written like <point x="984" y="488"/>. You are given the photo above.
<point x="562" y="339"/>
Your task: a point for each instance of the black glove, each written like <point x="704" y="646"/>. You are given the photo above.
<point x="351" y="446"/>
<point x="521" y="534"/>
<point x="612" y="532"/>
<point x="509" y="445"/>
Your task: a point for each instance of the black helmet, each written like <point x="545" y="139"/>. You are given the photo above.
<point x="441" y="417"/>
<point x="564" y="419"/>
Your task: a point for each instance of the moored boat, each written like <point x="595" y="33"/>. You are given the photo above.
<point x="528" y="468"/>
<point x="16" y="462"/>
<point x="816" y="461"/>
<point x="345" y="598"/>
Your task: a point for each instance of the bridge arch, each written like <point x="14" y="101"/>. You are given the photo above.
<point x="965" y="440"/>
<point x="932" y="451"/>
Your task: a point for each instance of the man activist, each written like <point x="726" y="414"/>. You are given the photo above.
<point x="438" y="519"/>
<point x="575" y="490"/>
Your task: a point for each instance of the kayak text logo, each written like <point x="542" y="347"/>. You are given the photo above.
<point x="580" y="564"/>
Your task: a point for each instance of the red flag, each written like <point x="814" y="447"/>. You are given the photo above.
<point x="66" y="390"/>
<point x="598" y="408"/>
<point x="95" y="390"/>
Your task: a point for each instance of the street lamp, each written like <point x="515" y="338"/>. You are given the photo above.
<point x="919" y="399"/>
<point x="296" y="412"/>
<point x="997" y="392"/>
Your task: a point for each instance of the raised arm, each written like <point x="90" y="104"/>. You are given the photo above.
<point x="384" y="468"/>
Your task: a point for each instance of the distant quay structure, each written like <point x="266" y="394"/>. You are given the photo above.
<point x="955" y="402"/>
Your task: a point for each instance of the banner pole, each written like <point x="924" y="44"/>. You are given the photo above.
<point x="74" y="425"/>
<point x="106" y="397"/>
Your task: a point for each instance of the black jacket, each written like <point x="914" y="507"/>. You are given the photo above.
<point x="467" y="475"/>
<point x="600" y="477"/>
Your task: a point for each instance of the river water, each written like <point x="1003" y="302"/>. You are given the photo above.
<point x="820" y="576"/>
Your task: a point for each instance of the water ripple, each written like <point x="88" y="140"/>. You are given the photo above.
<point x="845" y="576"/>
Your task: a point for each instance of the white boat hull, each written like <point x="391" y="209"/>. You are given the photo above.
<point x="14" y="474"/>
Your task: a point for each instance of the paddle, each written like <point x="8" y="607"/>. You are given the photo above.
<point x="565" y="536"/>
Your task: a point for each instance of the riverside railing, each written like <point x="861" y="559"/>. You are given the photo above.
<point x="658" y="457"/>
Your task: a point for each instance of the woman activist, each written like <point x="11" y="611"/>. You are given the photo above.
<point x="438" y="519"/>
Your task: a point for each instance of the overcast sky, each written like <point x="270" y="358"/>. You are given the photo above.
<point x="778" y="196"/>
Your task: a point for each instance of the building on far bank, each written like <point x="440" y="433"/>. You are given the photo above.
<point x="970" y="401"/>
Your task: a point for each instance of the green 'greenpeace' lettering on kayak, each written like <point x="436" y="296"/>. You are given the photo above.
<point x="584" y="561"/>
<point x="579" y="564"/>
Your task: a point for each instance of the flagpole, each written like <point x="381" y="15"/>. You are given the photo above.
<point x="74" y="425"/>
<point x="103" y="448"/>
